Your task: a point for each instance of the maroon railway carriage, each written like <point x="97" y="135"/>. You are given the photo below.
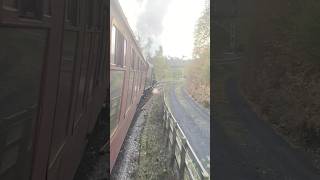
<point x="54" y="58"/>
<point x="127" y="78"/>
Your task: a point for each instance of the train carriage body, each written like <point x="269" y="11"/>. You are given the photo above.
<point x="57" y="63"/>
<point x="128" y="71"/>
<point x="53" y="62"/>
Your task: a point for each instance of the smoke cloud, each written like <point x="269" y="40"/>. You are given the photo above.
<point x="149" y="24"/>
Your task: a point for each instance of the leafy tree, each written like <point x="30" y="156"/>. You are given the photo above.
<point x="202" y="34"/>
<point x="282" y="78"/>
<point x="198" y="71"/>
<point x="301" y="28"/>
<point x="161" y="67"/>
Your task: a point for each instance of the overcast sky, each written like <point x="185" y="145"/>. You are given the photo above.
<point x="169" y="23"/>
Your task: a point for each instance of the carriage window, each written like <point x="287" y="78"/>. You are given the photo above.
<point x="136" y="63"/>
<point x="124" y="52"/>
<point x="116" y="82"/>
<point x="98" y="15"/>
<point x="139" y="65"/>
<point x="94" y="13"/>
<point x="47" y="7"/>
<point x="10" y="4"/>
<point x="71" y="14"/>
<point x="136" y="83"/>
<point x="128" y="54"/>
<point x="133" y="84"/>
<point x="140" y="79"/>
<point x="31" y="9"/>
<point x="120" y="42"/>
<point x="113" y="45"/>
<point x="141" y="82"/>
<point x="131" y="73"/>
<point x="89" y="11"/>
<point x="133" y="58"/>
<point x="20" y="72"/>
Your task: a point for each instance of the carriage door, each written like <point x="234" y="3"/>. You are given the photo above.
<point x="64" y="97"/>
<point x="23" y="53"/>
<point x="89" y="52"/>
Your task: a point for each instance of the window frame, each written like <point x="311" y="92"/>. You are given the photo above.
<point x="125" y="45"/>
<point x="116" y="49"/>
<point x="113" y="45"/>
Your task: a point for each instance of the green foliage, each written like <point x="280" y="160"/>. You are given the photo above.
<point x="161" y="68"/>
<point x="200" y="68"/>
<point x="154" y="156"/>
<point x="202" y="34"/>
<point x="198" y="71"/>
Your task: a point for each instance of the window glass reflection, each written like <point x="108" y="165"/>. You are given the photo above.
<point x="21" y="58"/>
<point x="116" y="83"/>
